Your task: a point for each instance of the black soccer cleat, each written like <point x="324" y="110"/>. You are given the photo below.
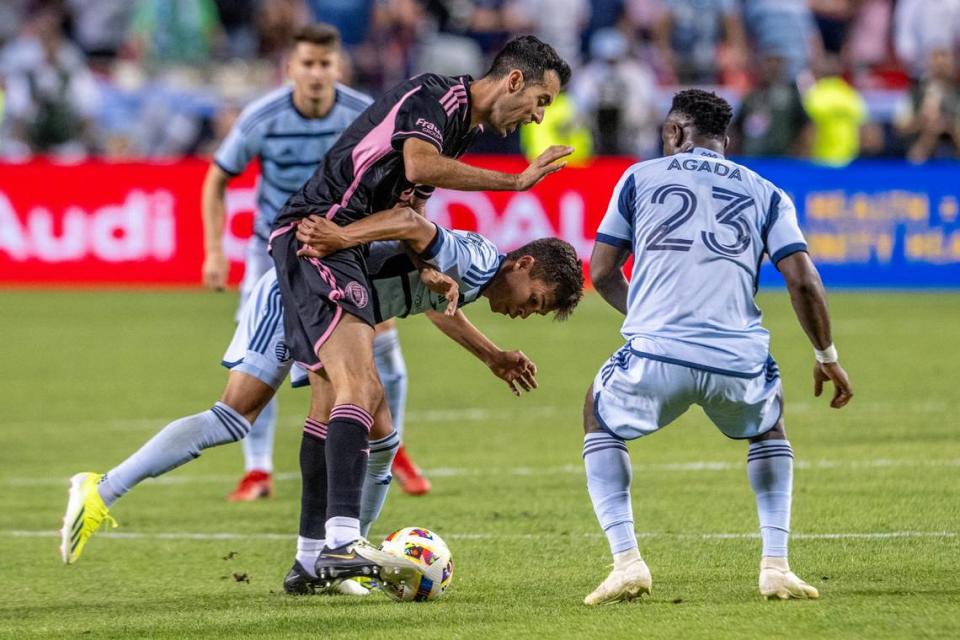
<point x="361" y="559"/>
<point x="300" y="583"/>
<point x="344" y="562"/>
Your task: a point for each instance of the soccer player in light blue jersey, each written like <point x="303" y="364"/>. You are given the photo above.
<point x="698" y="227"/>
<point x="290" y="130"/>
<point x="409" y="276"/>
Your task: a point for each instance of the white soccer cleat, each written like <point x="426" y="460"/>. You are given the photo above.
<point x="777" y="581"/>
<point x="85" y="513"/>
<point x="349" y="588"/>
<point x="627" y="583"/>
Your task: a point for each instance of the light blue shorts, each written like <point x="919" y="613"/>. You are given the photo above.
<point x="257" y="261"/>
<point x="258" y="347"/>
<point x="634" y="396"/>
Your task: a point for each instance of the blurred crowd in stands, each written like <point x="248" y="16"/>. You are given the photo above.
<point x="830" y="80"/>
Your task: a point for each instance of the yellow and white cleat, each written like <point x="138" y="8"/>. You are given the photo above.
<point x="86" y="512"/>
<point x="628" y="583"/>
<point x="352" y="587"/>
<point x="778" y="582"/>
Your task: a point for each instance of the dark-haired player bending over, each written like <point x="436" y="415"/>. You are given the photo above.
<point x="698" y="226"/>
<point x="542" y="277"/>
<point x="402" y="147"/>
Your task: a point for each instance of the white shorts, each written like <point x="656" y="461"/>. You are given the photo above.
<point x="257" y="262"/>
<point x="258" y="347"/>
<point x="635" y="395"/>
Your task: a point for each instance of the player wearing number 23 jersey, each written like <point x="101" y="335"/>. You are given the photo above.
<point x="698" y="226"/>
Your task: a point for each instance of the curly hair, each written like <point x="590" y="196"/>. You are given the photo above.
<point x="556" y="264"/>
<point x="531" y="56"/>
<point x="710" y="113"/>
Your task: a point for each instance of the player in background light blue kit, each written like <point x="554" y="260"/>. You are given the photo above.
<point x="698" y="226"/>
<point x="289" y="130"/>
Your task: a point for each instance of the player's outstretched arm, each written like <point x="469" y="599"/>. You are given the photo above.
<point x="513" y="367"/>
<point x="215" y="264"/>
<point x="423" y="164"/>
<point x="810" y="304"/>
<point x="606" y="271"/>
<point x="323" y="237"/>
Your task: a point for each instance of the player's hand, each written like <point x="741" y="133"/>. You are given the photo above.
<point x="516" y="369"/>
<point x="320" y="237"/>
<point x="545" y="164"/>
<point x="833" y="372"/>
<point x="444" y="285"/>
<point x="216" y="267"/>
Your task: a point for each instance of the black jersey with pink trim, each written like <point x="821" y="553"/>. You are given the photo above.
<point x="363" y="172"/>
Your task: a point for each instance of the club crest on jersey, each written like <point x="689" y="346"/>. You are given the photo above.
<point x="692" y="164"/>
<point x="357" y="294"/>
<point x="282" y="352"/>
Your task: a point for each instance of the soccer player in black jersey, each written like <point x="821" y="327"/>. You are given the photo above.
<point x="394" y="154"/>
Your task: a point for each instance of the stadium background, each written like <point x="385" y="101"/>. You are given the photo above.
<point x="143" y="91"/>
<point x="100" y="188"/>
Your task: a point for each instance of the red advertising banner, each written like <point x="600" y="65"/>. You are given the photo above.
<point x="140" y="223"/>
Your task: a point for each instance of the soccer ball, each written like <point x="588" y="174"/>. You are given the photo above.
<point x="430" y="553"/>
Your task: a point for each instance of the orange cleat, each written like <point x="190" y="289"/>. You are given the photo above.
<point x="408" y="474"/>
<point x="255" y="484"/>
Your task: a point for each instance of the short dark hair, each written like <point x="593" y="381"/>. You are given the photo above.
<point x="531" y="56"/>
<point x="556" y="263"/>
<point x="710" y="113"/>
<point x="318" y="33"/>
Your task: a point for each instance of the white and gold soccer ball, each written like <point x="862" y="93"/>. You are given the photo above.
<point x="430" y="553"/>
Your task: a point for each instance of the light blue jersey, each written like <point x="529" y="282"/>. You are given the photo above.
<point x="467" y="257"/>
<point x="289" y="145"/>
<point x="698" y="226"/>
<point x="259" y="348"/>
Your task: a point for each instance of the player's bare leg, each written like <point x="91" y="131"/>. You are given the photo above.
<point x="249" y="397"/>
<point x="347" y="358"/>
<point x="770" y="469"/>
<point x="608" y="481"/>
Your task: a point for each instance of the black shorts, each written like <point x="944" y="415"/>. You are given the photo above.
<point x="316" y="293"/>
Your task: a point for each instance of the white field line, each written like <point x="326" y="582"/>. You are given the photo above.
<point x="185" y="535"/>
<point x="569" y="469"/>
<point x="486" y="414"/>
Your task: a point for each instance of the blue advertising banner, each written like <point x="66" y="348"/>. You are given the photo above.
<point x="874" y="224"/>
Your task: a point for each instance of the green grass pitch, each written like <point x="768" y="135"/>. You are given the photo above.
<point x="88" y="376"/>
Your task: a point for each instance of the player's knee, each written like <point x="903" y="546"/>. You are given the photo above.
<point x="589" y="417"/>
<point x="246" y="395"/>
<point x="778" y="432"/>
<point x="363" y="388"/>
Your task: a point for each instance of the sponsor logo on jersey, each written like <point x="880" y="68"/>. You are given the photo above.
<point x="429" y="128"/>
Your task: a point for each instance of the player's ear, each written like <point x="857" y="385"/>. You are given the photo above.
<point x="525" y="263"/>
<point x="726" y="143"/>
<point x="515" y="80"/>
<point x="672" y="132"/>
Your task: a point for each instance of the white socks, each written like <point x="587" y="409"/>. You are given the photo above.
<point x="307" y="551"/>
<point x="608" y="482"/>
<point x="376" y="483"/>
<point x="258" y="446"/>
<point x="393" y="374"/>
<point x="342" y="530"/>
<point x="179" y="442"/>
<point x="770" y="470"/>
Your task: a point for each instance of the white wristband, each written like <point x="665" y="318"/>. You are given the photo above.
<point x="826" y="356"/>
